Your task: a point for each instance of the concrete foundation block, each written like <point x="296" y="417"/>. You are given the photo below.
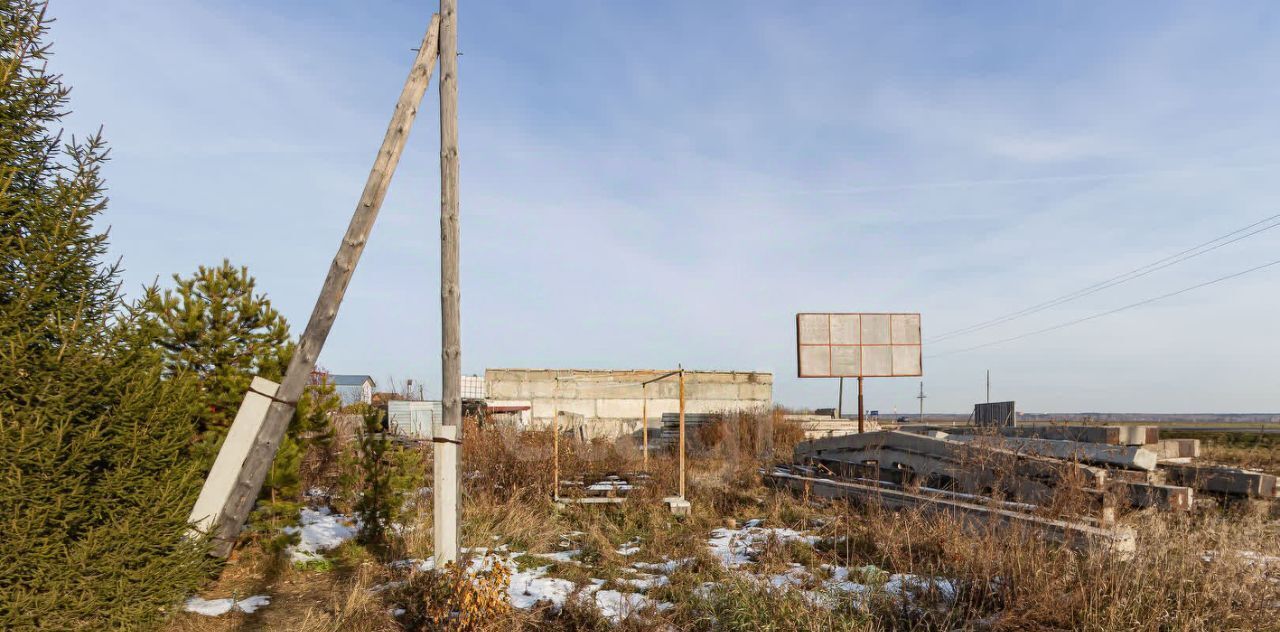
<point x="678" y="505"/>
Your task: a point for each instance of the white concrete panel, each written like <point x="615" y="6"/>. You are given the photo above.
<point x="877" y="361"/>
<point x="846" y="361"/>
<point x="815" y="329"/>
<point x="875" y="329"/>
<point x="226" y="467"/>
<point x="815" y="360"/>
<point x="845" y="329"/>
<point x="757" y="392"/>
<point x="710" y="391"/>
<point x="906" y="329"/>
<point x="619" y="408"/>
<point x="906" y="360"/>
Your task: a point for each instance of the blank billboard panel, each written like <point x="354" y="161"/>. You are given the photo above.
<point x="858" y="345"/>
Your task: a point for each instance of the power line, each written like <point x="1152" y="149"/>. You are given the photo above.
<point x="1109" y="312"/>
<point x="1190" y="253"/>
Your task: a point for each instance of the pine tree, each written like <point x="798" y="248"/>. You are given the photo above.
<point x="95" y="477"/>
<point x="215" y="326"/>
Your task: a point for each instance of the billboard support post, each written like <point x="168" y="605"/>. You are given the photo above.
<point x="861" y="423"/>
<point x="840" y="401"/>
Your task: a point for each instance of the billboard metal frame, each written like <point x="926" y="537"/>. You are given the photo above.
<point x="830" y="346"/>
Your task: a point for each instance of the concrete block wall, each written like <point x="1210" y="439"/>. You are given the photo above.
<point x="610" y="403"/>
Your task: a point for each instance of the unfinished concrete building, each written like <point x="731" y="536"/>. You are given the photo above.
<point x="612" y="403"/>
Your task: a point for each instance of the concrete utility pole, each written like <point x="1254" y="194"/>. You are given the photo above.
<point x="681" y="433"/>
<point x="921" y="397"/>
<point x="258" y="460"/>
<point x="988" y="386"/>
<point x="446" y="441"/>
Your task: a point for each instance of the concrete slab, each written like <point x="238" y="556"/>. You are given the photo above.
<point x="226" y="467"/>
<point x="1222" y="480"/>
<point x="1129" y="457"/>
<point x="678" y="505"/>
<point x="1119" y="541"/>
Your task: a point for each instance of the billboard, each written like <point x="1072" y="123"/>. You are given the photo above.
<point x="858" y="345"/>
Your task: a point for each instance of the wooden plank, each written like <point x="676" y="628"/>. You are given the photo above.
<point x="258" y="461"/>
<point x="445" y="505"/>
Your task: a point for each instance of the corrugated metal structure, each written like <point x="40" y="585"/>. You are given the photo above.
<point x="997" y="414"/>
<point x="413" y="419"/>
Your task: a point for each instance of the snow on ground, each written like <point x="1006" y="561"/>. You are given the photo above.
<point x="560" y="556"/>
<point x="219" y="607"/>
<point x="735" y="547"/>
<point x="320" y="530"/>
<point x="617" y="606"/>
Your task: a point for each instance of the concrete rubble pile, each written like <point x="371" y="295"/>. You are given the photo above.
<point x="1024" y="476"/>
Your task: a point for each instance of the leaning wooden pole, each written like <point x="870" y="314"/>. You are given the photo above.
<point x="445" y="511"/>
<point x="263" y="451"/>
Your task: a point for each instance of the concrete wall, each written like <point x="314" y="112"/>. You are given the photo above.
<point x="610" y="402"/>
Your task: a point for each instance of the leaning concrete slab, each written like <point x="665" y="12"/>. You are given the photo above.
<point x="1128" y="457"/>
<point x="1030" y="466"/>
<point x="226" y="467"/>
<point x="1222" y="480"/>
<point x="1116" y="540"/>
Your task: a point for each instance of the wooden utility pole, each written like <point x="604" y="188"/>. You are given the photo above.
<point x="262" y="453"/>
<point x="446" y="483"/>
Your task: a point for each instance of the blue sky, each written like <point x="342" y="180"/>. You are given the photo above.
<point x="645" y="184"/>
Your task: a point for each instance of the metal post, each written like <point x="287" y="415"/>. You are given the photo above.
<point x="840" y="401"/>
<point x="681" y="433"/>
<point x="861" y="423"/>
<point x="446" y="483"/>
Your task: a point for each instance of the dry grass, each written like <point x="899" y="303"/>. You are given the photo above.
<point x="1188" y="573"/>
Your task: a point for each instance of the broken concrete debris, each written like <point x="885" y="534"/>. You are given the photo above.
<point x="1018" y="476"/>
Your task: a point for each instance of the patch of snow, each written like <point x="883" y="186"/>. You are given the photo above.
<point x="617" y="606"/>
<point x="320" y="530"/>
<point x="219" y="607"/>
<point x="666" y="568"/>
<point x="560" y="556"/>
<point x="607" y="486"/>
<point x="630" y="548"/>
<point x="530" y="587"/>
<point x="646" y="581"/>
<point x="735" y="547"/>
<point x="754" y="522"/>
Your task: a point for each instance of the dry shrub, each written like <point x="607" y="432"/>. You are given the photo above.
<point x="455" y="598"/>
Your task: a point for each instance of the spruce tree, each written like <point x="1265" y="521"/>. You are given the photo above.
<point x="96" y="481"/>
